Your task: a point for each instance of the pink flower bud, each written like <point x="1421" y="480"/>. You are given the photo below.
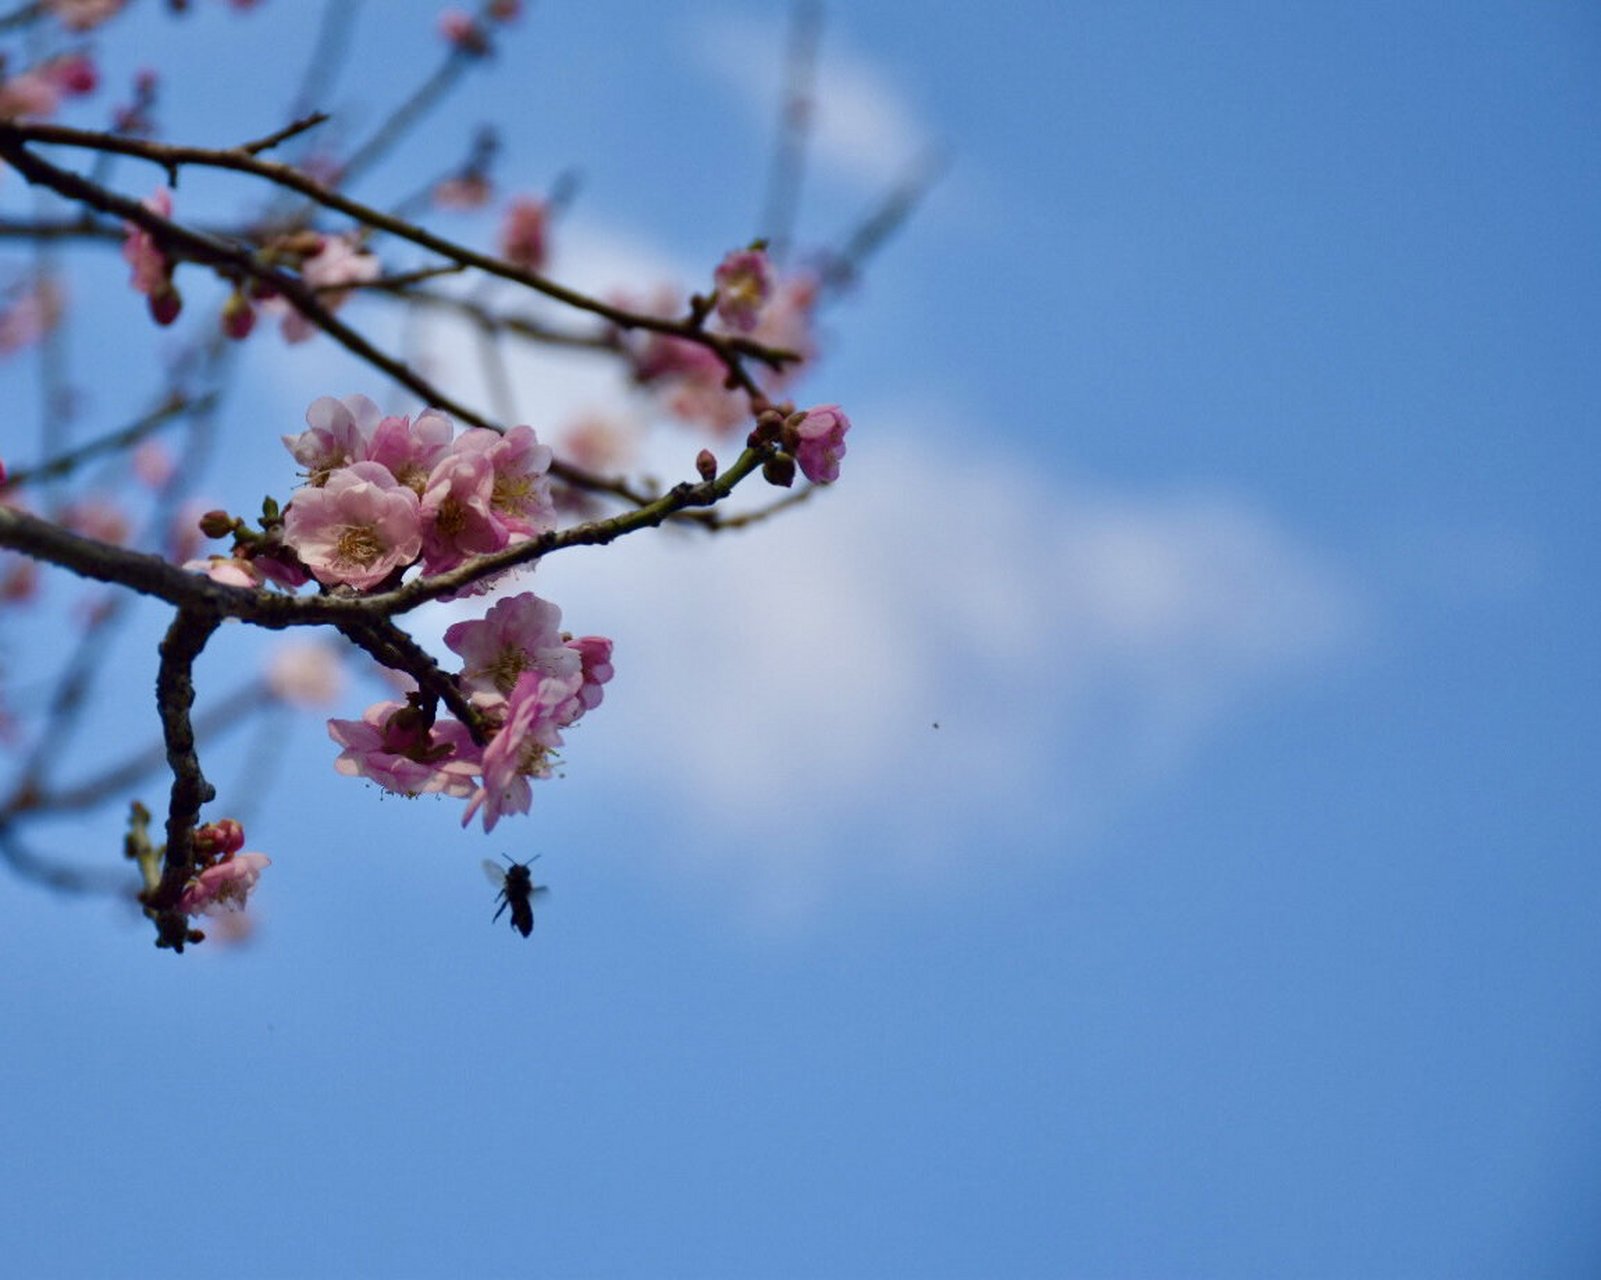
<point x="706" y="465"/>
<point x="238" y="316"/>
<point x="165" y="303"/>
<point x="820" y="442"/>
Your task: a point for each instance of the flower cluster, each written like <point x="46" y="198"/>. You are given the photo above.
<point x="386" y="492"/>
<point x="751" y="300"/>
<point x="223" y="875"/>
<point x="527" y="678"/>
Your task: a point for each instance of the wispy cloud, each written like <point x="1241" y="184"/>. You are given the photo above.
<point x="1076" y="643"/>
<point x="863" y="127"/>
<point x="1073" y="644"/>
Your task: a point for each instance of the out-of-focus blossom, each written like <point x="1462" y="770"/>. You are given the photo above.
<point x="38" y="91"/>
<point x="461" y="29"/>
<point x="152" y="269"/>
<point x="225" y="886"/>
<point x="97" y="518"/>
<point x="598" y="444"/>
<point x="184" y="538"/>
<point x="744" y="283"/>
<point x="464" y="191"/>
<point x="81" y="15"/>
<point x="524" y="232"/>
<point x="357" y="529"/>
<point x="506" y="10"/>
<point x="819" y="442"/>
<point x="153" y="464"/>
<point x="306" y="675"/>
<point x="340" y="261"/>
<point x="30" y="313"/>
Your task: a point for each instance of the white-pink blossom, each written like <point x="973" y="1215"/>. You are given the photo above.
<point x="524" y="747"/>
<point x="458" y="519"/>
<point x="389" y="746"/>
<point x="357" y="529"/>
<point x="521" y="499"/>
<point x="337" y="434"/>
<point x="411" y="449"/>
<point x="518" y="634"/>
<point x="225" y="886"/>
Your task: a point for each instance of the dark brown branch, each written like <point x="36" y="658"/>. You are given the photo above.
<point x="175" y="695"/>
<point x="730" y="348"/>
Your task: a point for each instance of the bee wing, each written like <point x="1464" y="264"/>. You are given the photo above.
<point x="495" y="873"/>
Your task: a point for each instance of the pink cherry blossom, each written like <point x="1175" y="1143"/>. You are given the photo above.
<point x="594" y="654"/>
<point x="820" y="442"/>
<point x="523" y="233"/>
<point x="457" y="518"/>
<point x="521" y="498"/>
<point x="411" y="450"/>
<point x="388" y="746"/>
<point x="519" y="634"/>
<point x="340" y="261"/>
<point x="227" y="571"/>
<point x="523" y="749"/>
<point x="357" y="529"/>
<point x="225" y="886"/>
<point x="744" y="283"/>
<point x="337" y="433"/>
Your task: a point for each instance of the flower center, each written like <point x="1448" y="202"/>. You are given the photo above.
<point x="358" y="544"/>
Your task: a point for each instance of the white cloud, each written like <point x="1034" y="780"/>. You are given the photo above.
<point x="1074" y="645"/>
<point x="862" y="125"/>
<point x="777" y="688"/>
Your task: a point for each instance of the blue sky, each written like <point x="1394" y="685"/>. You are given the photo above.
<point x="1221" y="484"/>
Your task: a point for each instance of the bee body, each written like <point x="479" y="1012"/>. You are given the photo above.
<point x="517" y="892"/>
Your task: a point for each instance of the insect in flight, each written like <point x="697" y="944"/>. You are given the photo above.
<point x="517" y="891"/>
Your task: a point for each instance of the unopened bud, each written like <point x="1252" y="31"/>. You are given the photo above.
<point x="223" y="837"/>
<point x="165" y="304"/>
<point x="216" y="524"/>
<point x="779" y="470"/>
<point x="238" y="316"/>
<point x="706" y="464"/>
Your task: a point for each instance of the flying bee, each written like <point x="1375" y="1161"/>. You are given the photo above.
<point x="517" y="891"/>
